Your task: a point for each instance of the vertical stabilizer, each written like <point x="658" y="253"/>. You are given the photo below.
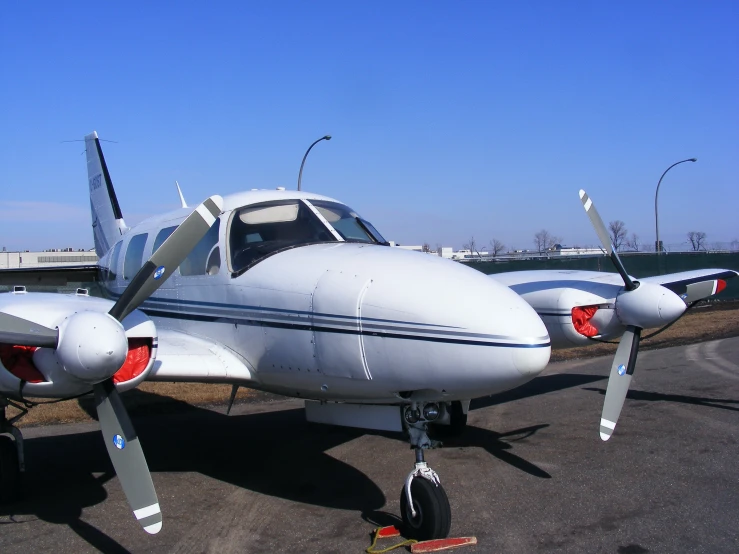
<point x="107" y="219"/>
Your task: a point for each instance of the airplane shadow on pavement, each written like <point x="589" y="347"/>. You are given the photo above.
<point x="683" y="399"/>
<point x="257" y="452"/>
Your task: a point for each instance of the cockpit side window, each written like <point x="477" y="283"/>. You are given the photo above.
<point x="261" y="229"/>
<point x="161" y="237"/>
<point x="347" y="223"/>
<point x="134" y="256"/>
<point x="205" y="258"/>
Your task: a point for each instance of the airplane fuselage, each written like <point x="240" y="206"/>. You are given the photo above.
<point x="340" y="320"/>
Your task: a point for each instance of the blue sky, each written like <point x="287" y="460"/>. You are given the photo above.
<point x="449" y="119"/>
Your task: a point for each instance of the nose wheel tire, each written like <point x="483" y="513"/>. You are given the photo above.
<point x="433" y="518"/>
<point x="10" y="476"/>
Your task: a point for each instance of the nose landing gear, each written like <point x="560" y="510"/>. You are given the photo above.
<point x="424" y="504"/>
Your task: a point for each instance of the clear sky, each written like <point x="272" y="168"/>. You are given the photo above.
<point x="449" y="119"/>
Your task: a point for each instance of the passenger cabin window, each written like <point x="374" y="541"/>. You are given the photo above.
<point x="161" y="237"/>
<point x="262" y="229"/>
<point x="205" y="258"/>
<point x="347" y="223"/>
<point x="134" y="256"/>
<point x="113" y="261"/>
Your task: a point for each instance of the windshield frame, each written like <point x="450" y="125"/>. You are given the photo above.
<point x="372" y="234"/>
<point x="318" y="218"/>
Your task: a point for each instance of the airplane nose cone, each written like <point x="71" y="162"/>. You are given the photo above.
<point x="531" y="362"/>
<point x="458" y="329"/>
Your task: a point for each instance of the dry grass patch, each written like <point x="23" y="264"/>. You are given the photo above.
<point x="147" y="398"/>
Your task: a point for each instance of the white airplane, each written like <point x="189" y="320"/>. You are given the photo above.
<point x="292" y="293"/>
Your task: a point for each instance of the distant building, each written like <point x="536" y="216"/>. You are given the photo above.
<point x="412" y="248"/>
<point x="560" y="250"/>
<point x="48" y="258"/>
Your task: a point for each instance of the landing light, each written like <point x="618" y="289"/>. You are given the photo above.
<point x="412" y="415"/>
<point x="431" y="412"/>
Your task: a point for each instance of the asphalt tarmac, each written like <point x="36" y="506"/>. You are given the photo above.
<point x="530" y="474"/>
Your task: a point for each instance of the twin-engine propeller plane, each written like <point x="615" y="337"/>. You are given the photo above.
<point x="294" y="293"/>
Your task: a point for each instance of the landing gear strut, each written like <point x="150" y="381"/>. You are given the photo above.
<point x="424" y="505"/>
<point x="11" y="453"/>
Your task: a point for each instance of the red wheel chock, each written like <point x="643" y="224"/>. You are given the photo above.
<point x="435" y="545"/>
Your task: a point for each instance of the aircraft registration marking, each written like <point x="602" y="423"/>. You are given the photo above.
<point x="95" y="182"/>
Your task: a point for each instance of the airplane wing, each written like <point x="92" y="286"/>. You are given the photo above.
<point x="695" y="285"/>
<point x="184" y="357"/>
<point x="577" y="306"/>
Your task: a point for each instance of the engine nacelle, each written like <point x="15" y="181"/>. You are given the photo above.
<point x="39" y="372"/>
<point x="555" y="307"/>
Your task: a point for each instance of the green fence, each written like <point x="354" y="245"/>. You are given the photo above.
<point x="638" y="265"/>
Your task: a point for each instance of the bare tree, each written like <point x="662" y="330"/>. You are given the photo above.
<point x="633" y="243"/>
<point x="697" y="240"/>
<point x="544" y="241"/>
<point x="735" y="245"/>
<point x="496" y="247"/>
<point x="617" y="230"/>
<point x="471" y="245"/>
<point x="426" y="247"/>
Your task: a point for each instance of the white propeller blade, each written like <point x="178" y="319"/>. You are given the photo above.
<point x="605" y="239"/>
<point x="618" y="382"/>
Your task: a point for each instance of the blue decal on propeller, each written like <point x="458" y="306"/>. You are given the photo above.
<point x="159" y="272"/>
<point x="119" y="442"/>
<point x="621" y="369"/>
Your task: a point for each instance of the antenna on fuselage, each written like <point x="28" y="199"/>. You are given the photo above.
<point x="182" y="198"/>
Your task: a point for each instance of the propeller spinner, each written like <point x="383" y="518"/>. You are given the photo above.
<point x="92" y="346"/>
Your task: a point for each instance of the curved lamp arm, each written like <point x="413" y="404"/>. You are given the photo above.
<point x="300" y="175"/>
<point x="656" y="194"/>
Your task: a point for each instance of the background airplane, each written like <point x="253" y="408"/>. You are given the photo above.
<point x="294" y="293"/>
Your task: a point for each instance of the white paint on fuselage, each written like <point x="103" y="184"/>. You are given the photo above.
<point x="352" y="321"/>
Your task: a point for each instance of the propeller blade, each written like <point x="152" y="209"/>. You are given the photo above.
<point x="619" y="380"/>
<point x="127" y="456"/>
<point x="605" y="239"/>
<point x="168" y="257"/>
<point x="16" y="330"/>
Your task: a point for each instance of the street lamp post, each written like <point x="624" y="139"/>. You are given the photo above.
<point x="656" y="194"/>
<point x="300" y="175"/>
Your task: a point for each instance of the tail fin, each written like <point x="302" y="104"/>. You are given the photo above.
<point x="107" y="219"/>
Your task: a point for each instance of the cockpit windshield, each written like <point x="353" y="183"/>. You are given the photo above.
<point x="262" y="229"/>
<point x="259" y="230"/>
<point x="347" y="223"/>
